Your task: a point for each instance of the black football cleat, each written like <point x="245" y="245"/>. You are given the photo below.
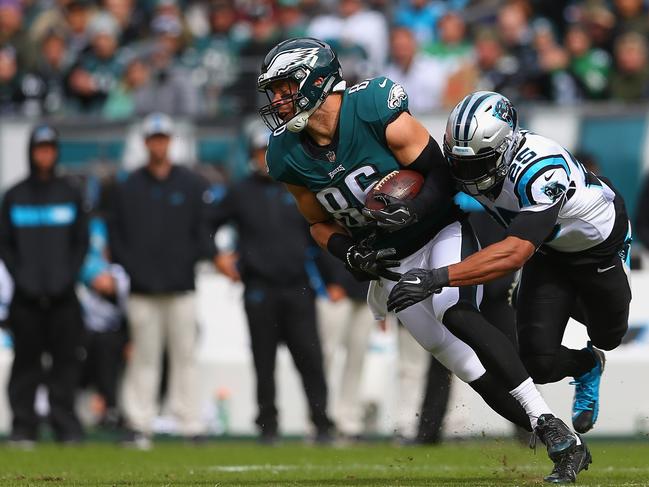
<point x="555" y="435"/>
<point x="570" y="464"/>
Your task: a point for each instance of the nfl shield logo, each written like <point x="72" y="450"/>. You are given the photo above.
<point x="331" y="155"/>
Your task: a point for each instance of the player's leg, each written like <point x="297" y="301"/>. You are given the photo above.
<point x="457" y="309"/>
<point x="604" y="297"/>
<point x="545" y="300"/>
<point x="259" y="304"/>
<point x="300" y="332"/>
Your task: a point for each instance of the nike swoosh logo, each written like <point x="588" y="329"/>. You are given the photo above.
<point x="414" y="281"/>
<point x="547" y="178"/>
<point x="382" y="85"/>
<point x="599" y="271"/>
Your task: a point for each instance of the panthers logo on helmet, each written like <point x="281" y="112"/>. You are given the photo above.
<point x="503" y="110"/>
<point x="397" y="96"/>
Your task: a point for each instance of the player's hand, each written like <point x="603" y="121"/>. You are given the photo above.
<point x="394" y="215"/>
<point x="374" y="263"/>
<point x="416" y="285"/>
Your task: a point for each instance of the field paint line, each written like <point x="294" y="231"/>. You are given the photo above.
<point x="393" y="466"/>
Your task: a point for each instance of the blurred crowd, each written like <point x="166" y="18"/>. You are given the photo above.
<point x="117" y="59"/>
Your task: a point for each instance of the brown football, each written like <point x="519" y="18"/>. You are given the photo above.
<point x="402" y="185"/>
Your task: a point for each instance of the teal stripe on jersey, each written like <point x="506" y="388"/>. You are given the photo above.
<point x="533" y="170"/>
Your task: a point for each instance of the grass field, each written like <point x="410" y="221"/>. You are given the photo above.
<point x="230" y="463"/>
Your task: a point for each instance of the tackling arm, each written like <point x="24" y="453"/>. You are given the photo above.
<point x="492" y="262"/>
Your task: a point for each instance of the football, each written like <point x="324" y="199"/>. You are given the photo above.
<point x="402" y="185"/>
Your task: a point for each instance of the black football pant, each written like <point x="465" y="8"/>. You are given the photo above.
<point x="53" y="327"/>
<point x="286" y="315"/>
<point x="104" y="362"/>
<point x="433" y="408"/>
<point x="597" y="295"/>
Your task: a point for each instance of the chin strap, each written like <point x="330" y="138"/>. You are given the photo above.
<point x="300" y="121"/>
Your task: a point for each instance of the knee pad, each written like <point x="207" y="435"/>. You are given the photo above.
<point x="540" y="367"/>
<point x="460" y="359"/>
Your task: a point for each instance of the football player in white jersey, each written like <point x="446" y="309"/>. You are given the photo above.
<point x="567" y="229"/>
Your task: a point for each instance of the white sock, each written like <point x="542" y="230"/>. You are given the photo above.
<point x="530" y="398"/>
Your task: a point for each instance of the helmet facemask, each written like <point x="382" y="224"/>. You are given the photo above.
<point x="480" y="173"/>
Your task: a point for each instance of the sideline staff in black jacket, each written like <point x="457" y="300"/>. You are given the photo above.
<point x="43" y="241"/>
<point x="273" y="248"/>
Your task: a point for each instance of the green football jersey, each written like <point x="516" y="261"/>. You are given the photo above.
<point x="341" y="178"/>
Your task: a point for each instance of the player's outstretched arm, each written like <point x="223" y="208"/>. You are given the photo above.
<point x="490" y="263"/>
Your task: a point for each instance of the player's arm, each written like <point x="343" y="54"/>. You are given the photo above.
<point x="415" y="149"/>
<point x="363" y="262"/>
<point x="528" y="230"/>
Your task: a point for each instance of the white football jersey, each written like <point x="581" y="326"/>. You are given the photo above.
<point x="540" y="173"/>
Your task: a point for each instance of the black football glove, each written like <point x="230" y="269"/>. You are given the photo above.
<point x="374" y="263"/>
<point x="394" y="215"/>
<point x="416" y="285"/>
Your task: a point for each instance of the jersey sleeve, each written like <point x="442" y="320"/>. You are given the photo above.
<point x="278" y="165"/>
<point x="542" y="183"/>
<point x="381" y="101"/>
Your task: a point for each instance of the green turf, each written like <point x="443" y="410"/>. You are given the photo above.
<point x="480" y="463"/>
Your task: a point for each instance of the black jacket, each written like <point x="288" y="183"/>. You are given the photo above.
<point x="158" y="229"/>
<point x="43" y="236"/>
<point x="273" y="238"/>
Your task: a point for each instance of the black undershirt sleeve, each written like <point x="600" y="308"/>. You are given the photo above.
<point x="438" y="187"/>
<point x="536" y="226"/>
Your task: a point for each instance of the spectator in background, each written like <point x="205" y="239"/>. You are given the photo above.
<point x="591" y="67"/>
<point x="121" y="101"/>
<point x="630" y="81"/>
<point x="273" y="247"/>
<point x="452" y="49"/>
<point x="43" y="241"/>
<point x="130" y="19"/>
<point x="98" y="70"/>
<point x="517" y="39"/>
<point x="169" y="88"/>
<point x="72" y="17"/>
<point x="11" y="95"/>
<point x="214" y="57"/>
<point x="264" y="34"/>
<point x="345" y="324"/>
<point x="421" y="17"/>
<point x="554" y="82"/>
<point x="158" y="232"/>
<point x="423" y="78"/>
<point x="103" y="293"/>
<point x="630" y="16"/>
<point x="292" y="21"/>
<point x="495" y="70"/>
<point x="46" y="82"/>
<point x="355" y="25"/>
<point x="12" y="33"/>
<point x="600" y="25"/>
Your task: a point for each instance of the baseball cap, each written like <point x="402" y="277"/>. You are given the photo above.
<point x="44" y="134"/>
<point x="103" y="23"/>
<point x="157" y="124"/>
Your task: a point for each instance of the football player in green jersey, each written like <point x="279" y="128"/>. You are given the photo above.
<point x="330" y="145"/>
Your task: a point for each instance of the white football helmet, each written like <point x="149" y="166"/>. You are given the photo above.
<point x="481" y="133"/>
